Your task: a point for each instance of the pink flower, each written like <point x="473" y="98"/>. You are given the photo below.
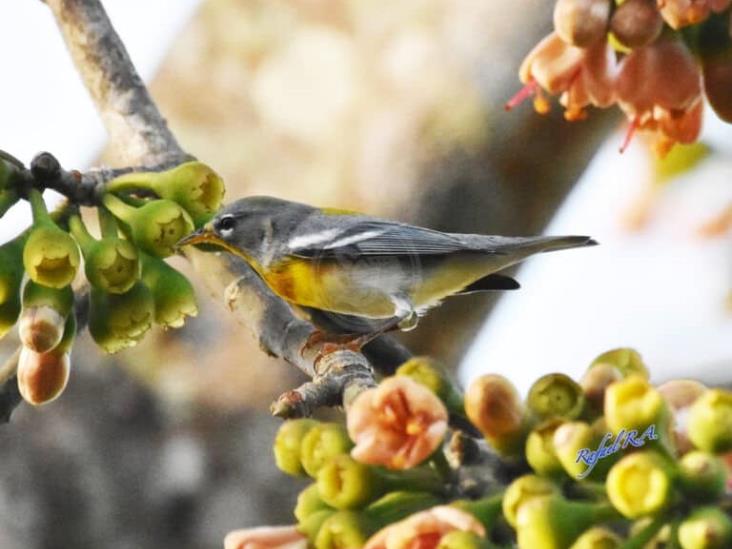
<point x="397" y="424"/>
<point x="425" y="529"/>
<point x="266" y="537"/>
<point x="584" y="76"/>
<point x="659" y="89"/>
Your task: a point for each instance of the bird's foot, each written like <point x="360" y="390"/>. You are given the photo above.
<point x="327" y="343"/>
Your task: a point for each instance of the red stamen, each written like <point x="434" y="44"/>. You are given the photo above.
<point x="632" y="127"/>
<point x="522" y="95"/>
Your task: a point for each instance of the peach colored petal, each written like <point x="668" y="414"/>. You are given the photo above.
<point x="425" y="529"/>
<point x="552" y="63"/>
<point x="397" y="424"/>
<point x="681" y="13"/>
<point x="266" y="537"/>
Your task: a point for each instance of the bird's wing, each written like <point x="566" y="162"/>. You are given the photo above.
<point x="374" y="237"/>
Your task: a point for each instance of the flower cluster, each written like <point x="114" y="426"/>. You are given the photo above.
<point x="141" y="218"/>
<point x="607" y="461"/>
<point x="655" y="59"/>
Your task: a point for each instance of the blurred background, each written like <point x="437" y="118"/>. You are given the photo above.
<point x="393" y="108"/>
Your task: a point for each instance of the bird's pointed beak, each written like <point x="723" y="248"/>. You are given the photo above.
<point x="204" y="235"/>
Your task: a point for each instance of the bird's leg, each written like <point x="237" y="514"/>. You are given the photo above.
<point x="405" y="319"/>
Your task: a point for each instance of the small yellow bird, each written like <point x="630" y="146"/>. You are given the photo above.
<point x="356" y="274"/>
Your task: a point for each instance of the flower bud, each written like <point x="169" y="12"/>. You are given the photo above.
<point x="9" y="176"/>
<point x="310" y="502"/>
<point x="628" y="361"/>
<point x="118" y="321"/>
<point x="636" y="23"/>
<point x="288" y="445"/>
<point x="556" y="396"/>
<point x="344" y="483"/>
<point x="11" y="278"/>
<point x="550" y="522"/>
<point x="493" y="405"/>
<point x="427" y="372"/>
<point x="594" y="383"/>
<point x="43" y="319"/>
<point x="156" y="227"/>
<point x="702" y="475"/>
<point x="682" y="13"/>
<point x="321" y="443"/>
<point x="706" y="528"/>
<point x="633" y="403"/>
<point x="540" y="451"/>
<point x="680" y="395"/>
<point x="597" y="537"/>
<point x="523" y="490"/>
<point x="42" y="377"/>
<point x="310" y="526"/>
<point x="459" y="539"/>
<point x="193" y="185"/>
<point x="174" y="296"/>
<point x="51" y="256"/>
<point x="581" y="22"/>
<point x="579" y="449"/>
<point x="640" y="484"/>
<point x="266" y="537"/>
<point x="710" y="421"/>
<point x="344" y="530"/>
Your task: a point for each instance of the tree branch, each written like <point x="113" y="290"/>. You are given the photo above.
<point x="131" y="117"/>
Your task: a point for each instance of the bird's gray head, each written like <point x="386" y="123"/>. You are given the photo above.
<point x="253" y="228"/>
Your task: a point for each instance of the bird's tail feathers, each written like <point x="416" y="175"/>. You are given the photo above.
<point x="541" y="244"/>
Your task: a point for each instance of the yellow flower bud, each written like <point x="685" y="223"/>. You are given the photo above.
<point x="597" y="537"/>
<point x="706" y="528"/>
<point x="522" y="490"/>
<point x="640" y="484"/>
<point x="540" y="450"/>
<point x="11" y="277"/>
<point x="556" y="396"/>
<point x="627" y="361"/>
<point x="118" y="321"/>
<point x="193" y="185"/>
<point x="710" y="421"/>
<point x="156" y="227"/>
<point x="173" y="294"/>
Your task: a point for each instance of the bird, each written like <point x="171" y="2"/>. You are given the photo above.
<point x="354" y="275"/>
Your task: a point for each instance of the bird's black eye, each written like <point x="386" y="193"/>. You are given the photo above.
<point x="226" y="223"/>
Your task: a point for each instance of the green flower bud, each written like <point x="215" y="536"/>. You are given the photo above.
<point x="9" y="178"/>
<point x="310" y="526"/>
<point x="50" y="256"/>
<point x="552" y="522"/>
<point x="344" y="483"/>
<point x="650" y="533"/>
<point x="42" y="377"/>
<point x="597" y="537"/>
<point x="309" y="502"/>
<point x="540" y="451"/>
<point x="429" y="373"/>
<point x="710" y="421"/>
<point x="118" y="321"/>
<point x="556" y="395"/>
<point x="193" y="185"/>
<point x="321" y="443"/>
<point x="706" y="528"/>
<point x="522" y="490"/>
<point x="633" y="403"/>
<point x="584" y="450"/>
<point x="344" y="530"/>
<point x="111" y="264"/>
<point x="458" y="539"/>
<point x="174" y="296"/>
<point x="702" y="475"/>
<point x="11" y="278"/>
<point x="627" y="360"/>
<point x="288" y="445"/>
<point x="156" y="226"/>
<point x="493" y="405"/>
<point x="487" y="510"/>
<point x="640" y="484"/>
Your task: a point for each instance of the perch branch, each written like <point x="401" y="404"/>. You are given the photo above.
<point x="139" y="133"/>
